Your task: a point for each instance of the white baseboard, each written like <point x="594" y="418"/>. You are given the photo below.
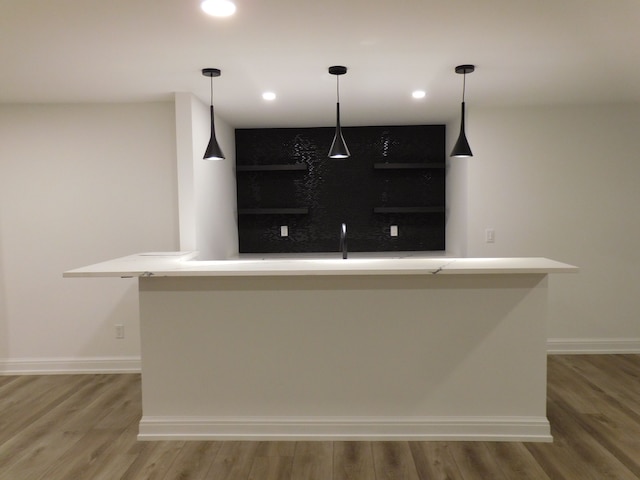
<point x="593" y="345"/>
<point x="514" y="429"/>
<point x="51" y="366"/>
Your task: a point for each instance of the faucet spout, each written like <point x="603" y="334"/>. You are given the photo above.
<point x="343" y="240"/>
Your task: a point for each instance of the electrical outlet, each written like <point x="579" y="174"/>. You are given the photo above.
<point x="284" y="231"/>
<point x="119" y="331"/>
<point x="393" y="230"/>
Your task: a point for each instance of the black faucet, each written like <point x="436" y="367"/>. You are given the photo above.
<point x="343" y="240"/>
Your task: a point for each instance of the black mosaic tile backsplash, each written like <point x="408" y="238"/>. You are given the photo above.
<point x="337" y="191"/>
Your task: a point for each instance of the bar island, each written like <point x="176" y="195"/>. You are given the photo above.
<point x="329" y="349"/>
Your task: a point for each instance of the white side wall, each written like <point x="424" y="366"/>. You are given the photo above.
<point x="562" y="182"/>
<point x="456" y="199"/>
<point x="185" y="148"/>
<point x="206" y="189"/>
<point x="79" y="184"/>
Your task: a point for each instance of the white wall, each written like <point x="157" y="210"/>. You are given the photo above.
<point x="207" y="189"/>
<point x="79" y="184"/>
<point x="562" y="182"/>
<point x="456" y="200"/>
<point x="84" y="183"/>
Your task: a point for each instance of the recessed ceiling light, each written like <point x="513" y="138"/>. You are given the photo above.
<point x="419" y="94"/>
<point x="269" y="96"/>
<point x="218" y="8"/>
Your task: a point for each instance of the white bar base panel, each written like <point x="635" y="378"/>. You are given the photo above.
<point x="511" y="429"/>
<point x="344" y="357"/>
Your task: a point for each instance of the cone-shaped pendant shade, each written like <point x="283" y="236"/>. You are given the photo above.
<point x="462" y="148"/>
<point x="338" y="147"/>
<point x="213" y="152"/>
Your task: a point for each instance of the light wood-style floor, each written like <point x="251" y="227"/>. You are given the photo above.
<point x="77" y="427"/>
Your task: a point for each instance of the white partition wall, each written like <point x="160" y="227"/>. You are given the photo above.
<point x="79" y="183"/>
<point x="207" y="189"/>
<point x="562" y="182"/>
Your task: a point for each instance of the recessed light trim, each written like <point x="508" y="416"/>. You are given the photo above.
<point x="218" y="8"/>
<point x="418" y="94"/>
<point x="269" y="96"/>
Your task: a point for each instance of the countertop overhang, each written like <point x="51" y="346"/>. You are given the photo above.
<point x="182" y="264"/>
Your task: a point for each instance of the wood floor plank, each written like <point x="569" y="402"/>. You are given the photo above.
<point x="79" y="460"/>
<point x="573" y="454"/>
<point x="5" y="379"/>
<point x="153" y="461"/>
<point x="620" y="456"/>
<point x="313" y="461"/>
<point x="276" y="449"/>
<point x="434" y="461"/>
<point x="559" y="460"/>
<point x="393" y="461"/>
<point x="475" y="462"/>
<point x="111" y="399"/>
<point x="9" y="385"/>
<point x="353" y="461"/>
<point x="614" y="438"/>
<point x="84" y="427"/>
<point x="620" y="381"/>
<point x="515" y="461"/>
<point x="124" y="412"/>
<point x="623" y="373"/>
<point x="234" y="460"/>
<point x="50" y="435"/>
<point x="35" y="400"/>
<point x="564" y="379"/>
<point x="21" y="389"/>
<point x="194" y="461"/>
<point x="37" y="458"/>
<point x="271" y="468"/>
<point x="116" y="457"/>
<point x="606" y="406"/>
<point x="272" y="461"/>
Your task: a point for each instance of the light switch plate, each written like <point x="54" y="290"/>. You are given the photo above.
<point x="490" y="235"/>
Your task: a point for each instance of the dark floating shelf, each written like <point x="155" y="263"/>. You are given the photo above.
<point x="273" y="211"/>
<point x="406" y="166"/>
<point x="281" y="167"/>
<point x="408" y="210"/>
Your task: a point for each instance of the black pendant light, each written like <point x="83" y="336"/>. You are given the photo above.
<point x="461" y="148"/>
<point x="213" y="152"/>
<point x="338" y="147"/>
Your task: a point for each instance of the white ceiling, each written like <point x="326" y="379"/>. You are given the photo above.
<point x="526" y="52"/>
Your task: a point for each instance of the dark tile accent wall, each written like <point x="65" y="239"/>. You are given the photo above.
<point x="397" y="170"/>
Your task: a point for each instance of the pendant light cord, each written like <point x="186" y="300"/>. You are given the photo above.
<point x="464" y="84"/>
<point x="211" y="78"/>
<point x="338" y="88"/>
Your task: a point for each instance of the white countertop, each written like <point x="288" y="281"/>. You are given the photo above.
<point x="166" y="264"/>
